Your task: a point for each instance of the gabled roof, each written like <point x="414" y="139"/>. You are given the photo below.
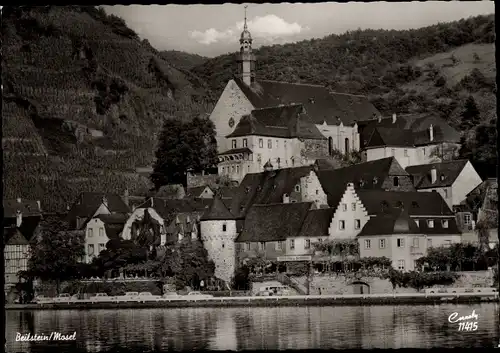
<point x="12" y="236"/>
<point x="27" y="208"/>
<point x="368" y="175"/>
<point x="416" y="203"/>
<point x="217" y="211"/>
<point x="88" y="202"/>
<point x="390" y="223"/>
<point x="289" y="121"/>
<point x="447" y="172"/>
<point x="317" y="222"/>
<point x="320" y="104"/>
<point x="168" y="208"/>
<point x="28" y="225"/>
<point x="197" y="191"/>
<point x="273" y="222"/>
<point x="407" y="128"/>
<point x="266" y="188"/>
<point x="113" y="224"/>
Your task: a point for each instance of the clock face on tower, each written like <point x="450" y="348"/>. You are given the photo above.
<point x="231" y="122"/>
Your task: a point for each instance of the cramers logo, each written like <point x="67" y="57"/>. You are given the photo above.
<point x="466" y="322"/>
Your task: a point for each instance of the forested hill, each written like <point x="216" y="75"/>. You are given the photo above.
<point x="83" y="98"/>
<point x="436" y="68"/>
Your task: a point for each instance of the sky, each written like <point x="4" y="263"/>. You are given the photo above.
<point x="211" y="30"/>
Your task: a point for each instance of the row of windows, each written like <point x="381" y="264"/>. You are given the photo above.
<point x="400" y="243"/>
<point x="90" y="232"/>
<point x="233" y="169"/>
<point x="280" y="245"/>
<point x="234" y="143"/>
<point x="91" y="249"/>
<point x="357" y="224"/>
<point x="402" y="265"/>
<point x="353" y="206"/>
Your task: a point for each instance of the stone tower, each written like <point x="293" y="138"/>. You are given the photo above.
<point x="218" y="233"/>
<point x="246" y="58"/>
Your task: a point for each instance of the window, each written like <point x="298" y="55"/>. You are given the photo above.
<point x="406" y="153"/>
<point x="102" y="247"/>
<point x="445" y="193"/>
<point x="297" y="188"/>
<point x="90" y="249"/>
<point x="269" y="144"/>
<point x="401" y="265"/>
<point x="346" y="145"/>
<point x="429" y="243"/>
<point x="341" y="225"/>
<point x="292" y="244"/>
<point x="223" y="170"/>
<point x="233" y="143"/>
<point x="261" y="143"/>
<point x="381" y="243"/>
<point x="344" y="207"/>
<point x="445" y="223"/>
<point x="232" y="168"/>
<point x="330" y="145"/>
<point x="423" y="151"/>
<point x="224" y="227"/>
<point x="401" y="243"/>
<point x="317" y="192"/>
<point x="467" y="219"/>
<point x="320" y="240"/>
<point x="276" y="143"/>
<point x="101" y="232"/>
<point x="396" y="181"/>
<point x="417" y="222"/>
<point x="248" y="246"/>
<point x="237" y="169"/>
<point x="223" y="245"/>
<point x="262" y="245"/>
<point x="357" y="224"/>
<point x="368" y="244"/>
<point x="293" y="161"/>
<point x="430" y="223"/>
<point x="353" y="205"/>
<point x="279" y="245"/>
<point x="245" y="143"/>
<point x="393" y="152"/>
<point x="415" y="264"/>
<point x="90" y="233"/>
<point x="415" y="243"/>
<point x="308" y="244"/>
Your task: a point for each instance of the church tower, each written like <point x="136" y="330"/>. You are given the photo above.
<point x="246" y="59"/>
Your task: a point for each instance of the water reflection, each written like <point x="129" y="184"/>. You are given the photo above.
<point x="254" y="328"/>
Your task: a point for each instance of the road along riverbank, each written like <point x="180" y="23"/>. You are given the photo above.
<point x="302" y="300"/>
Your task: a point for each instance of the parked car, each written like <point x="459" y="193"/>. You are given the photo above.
<point x="100" y="297"/>
<point x="128" y="296"/>
<point x="170" y="295"/>
<point x="147" y="296"/>
<point x="273" y="291"/>
<point x="197" y="295"/>
<point x="65" y="298"/>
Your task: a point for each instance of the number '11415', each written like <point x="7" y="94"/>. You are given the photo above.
<point x="467" y="326"/>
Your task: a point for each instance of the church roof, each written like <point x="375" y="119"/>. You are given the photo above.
<point x="273" y="222"/>
<point x="217" y="211"/>
<point x="321" y="104"/>
<point x="447" y="172"/>
<point x="283" y="121"/>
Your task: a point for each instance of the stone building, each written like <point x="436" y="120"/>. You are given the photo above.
<point x="412" y="139"/>
<point x="334" y="114"/>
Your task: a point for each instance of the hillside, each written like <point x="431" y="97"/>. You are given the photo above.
<point x="434" y="68"/>
<point x="183" y="60"/>
<point x="83" y="100"/>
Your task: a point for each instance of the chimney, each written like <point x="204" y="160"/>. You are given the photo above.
<point x="394" y="117"/>
<point x="126" y="197"/>
<point x="431" y="133"/>
<point x="433" y="175"/>
<point x="18" y="200"/>
<point x="39" y="205"/>
<point x="19" y="218"/>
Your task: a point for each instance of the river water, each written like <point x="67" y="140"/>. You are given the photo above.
<point x="255" y="328"/>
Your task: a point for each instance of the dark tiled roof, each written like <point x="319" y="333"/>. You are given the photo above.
<point x="236" y="151"/>
<point x="184" y="222"/>
<point x="113" y="218"/>
<point x="196" y="191"/>
<point x="438" y="226"/>
<point x="217" y="211"/>
<point x="391" y="137"/>
<point x="317" y="222"/>
<point x="390" y="223"/>
<point x="447" y="172"/>
<point x="266" y="188"/>
<point x="321" y="104"/>
<point x="12" y="236"/>
<point x="368" y="175"/>
<point x="168" y="208"/>
<point x="416" y="203"/>
<point x="283" y="121"/>
<point x="27" y="208"/>
<point x="327" y="164"/>
<point x="274" y="222"/>
<point x="88" y="202"/>
<point x="227" y="192"/>
<point x="413" y="127"/>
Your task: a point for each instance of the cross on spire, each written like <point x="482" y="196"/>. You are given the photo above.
<point x="245" y="25"/>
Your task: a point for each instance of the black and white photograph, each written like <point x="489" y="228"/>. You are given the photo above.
<point x="250" y="176"/>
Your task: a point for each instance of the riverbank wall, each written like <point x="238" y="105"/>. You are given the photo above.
<point x="312" y="300"/>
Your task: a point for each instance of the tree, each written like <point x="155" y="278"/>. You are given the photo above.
<point x="56" y="253"/>
<point x="470" y="115"/>
<point x="241" y="280"/>
<point x="184" y="147"/>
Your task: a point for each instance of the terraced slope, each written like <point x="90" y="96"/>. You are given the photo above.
<point x="82" y="103"/>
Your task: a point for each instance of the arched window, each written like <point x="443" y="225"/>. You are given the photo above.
<point x="396" y="181"/>
<point x="346" y="145"/>
<point x="330" y="145"/>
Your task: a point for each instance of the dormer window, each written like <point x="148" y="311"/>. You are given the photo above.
<point x="445" y="223"/>
<point x="442" y="177"/>
<point x="384" y="205"/>
<point x="430" y="223"/>
<point x="259" y="188"/>
<point x="247" y="189"/>
<point x="375" y="180"/>
<point x="361" y="182"/>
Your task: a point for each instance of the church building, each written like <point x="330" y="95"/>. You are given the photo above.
<point x="259" y="121"/>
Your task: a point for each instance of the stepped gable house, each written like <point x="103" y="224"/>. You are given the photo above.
<point x="413" y="139"/>
<point x="334" y="114"/>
